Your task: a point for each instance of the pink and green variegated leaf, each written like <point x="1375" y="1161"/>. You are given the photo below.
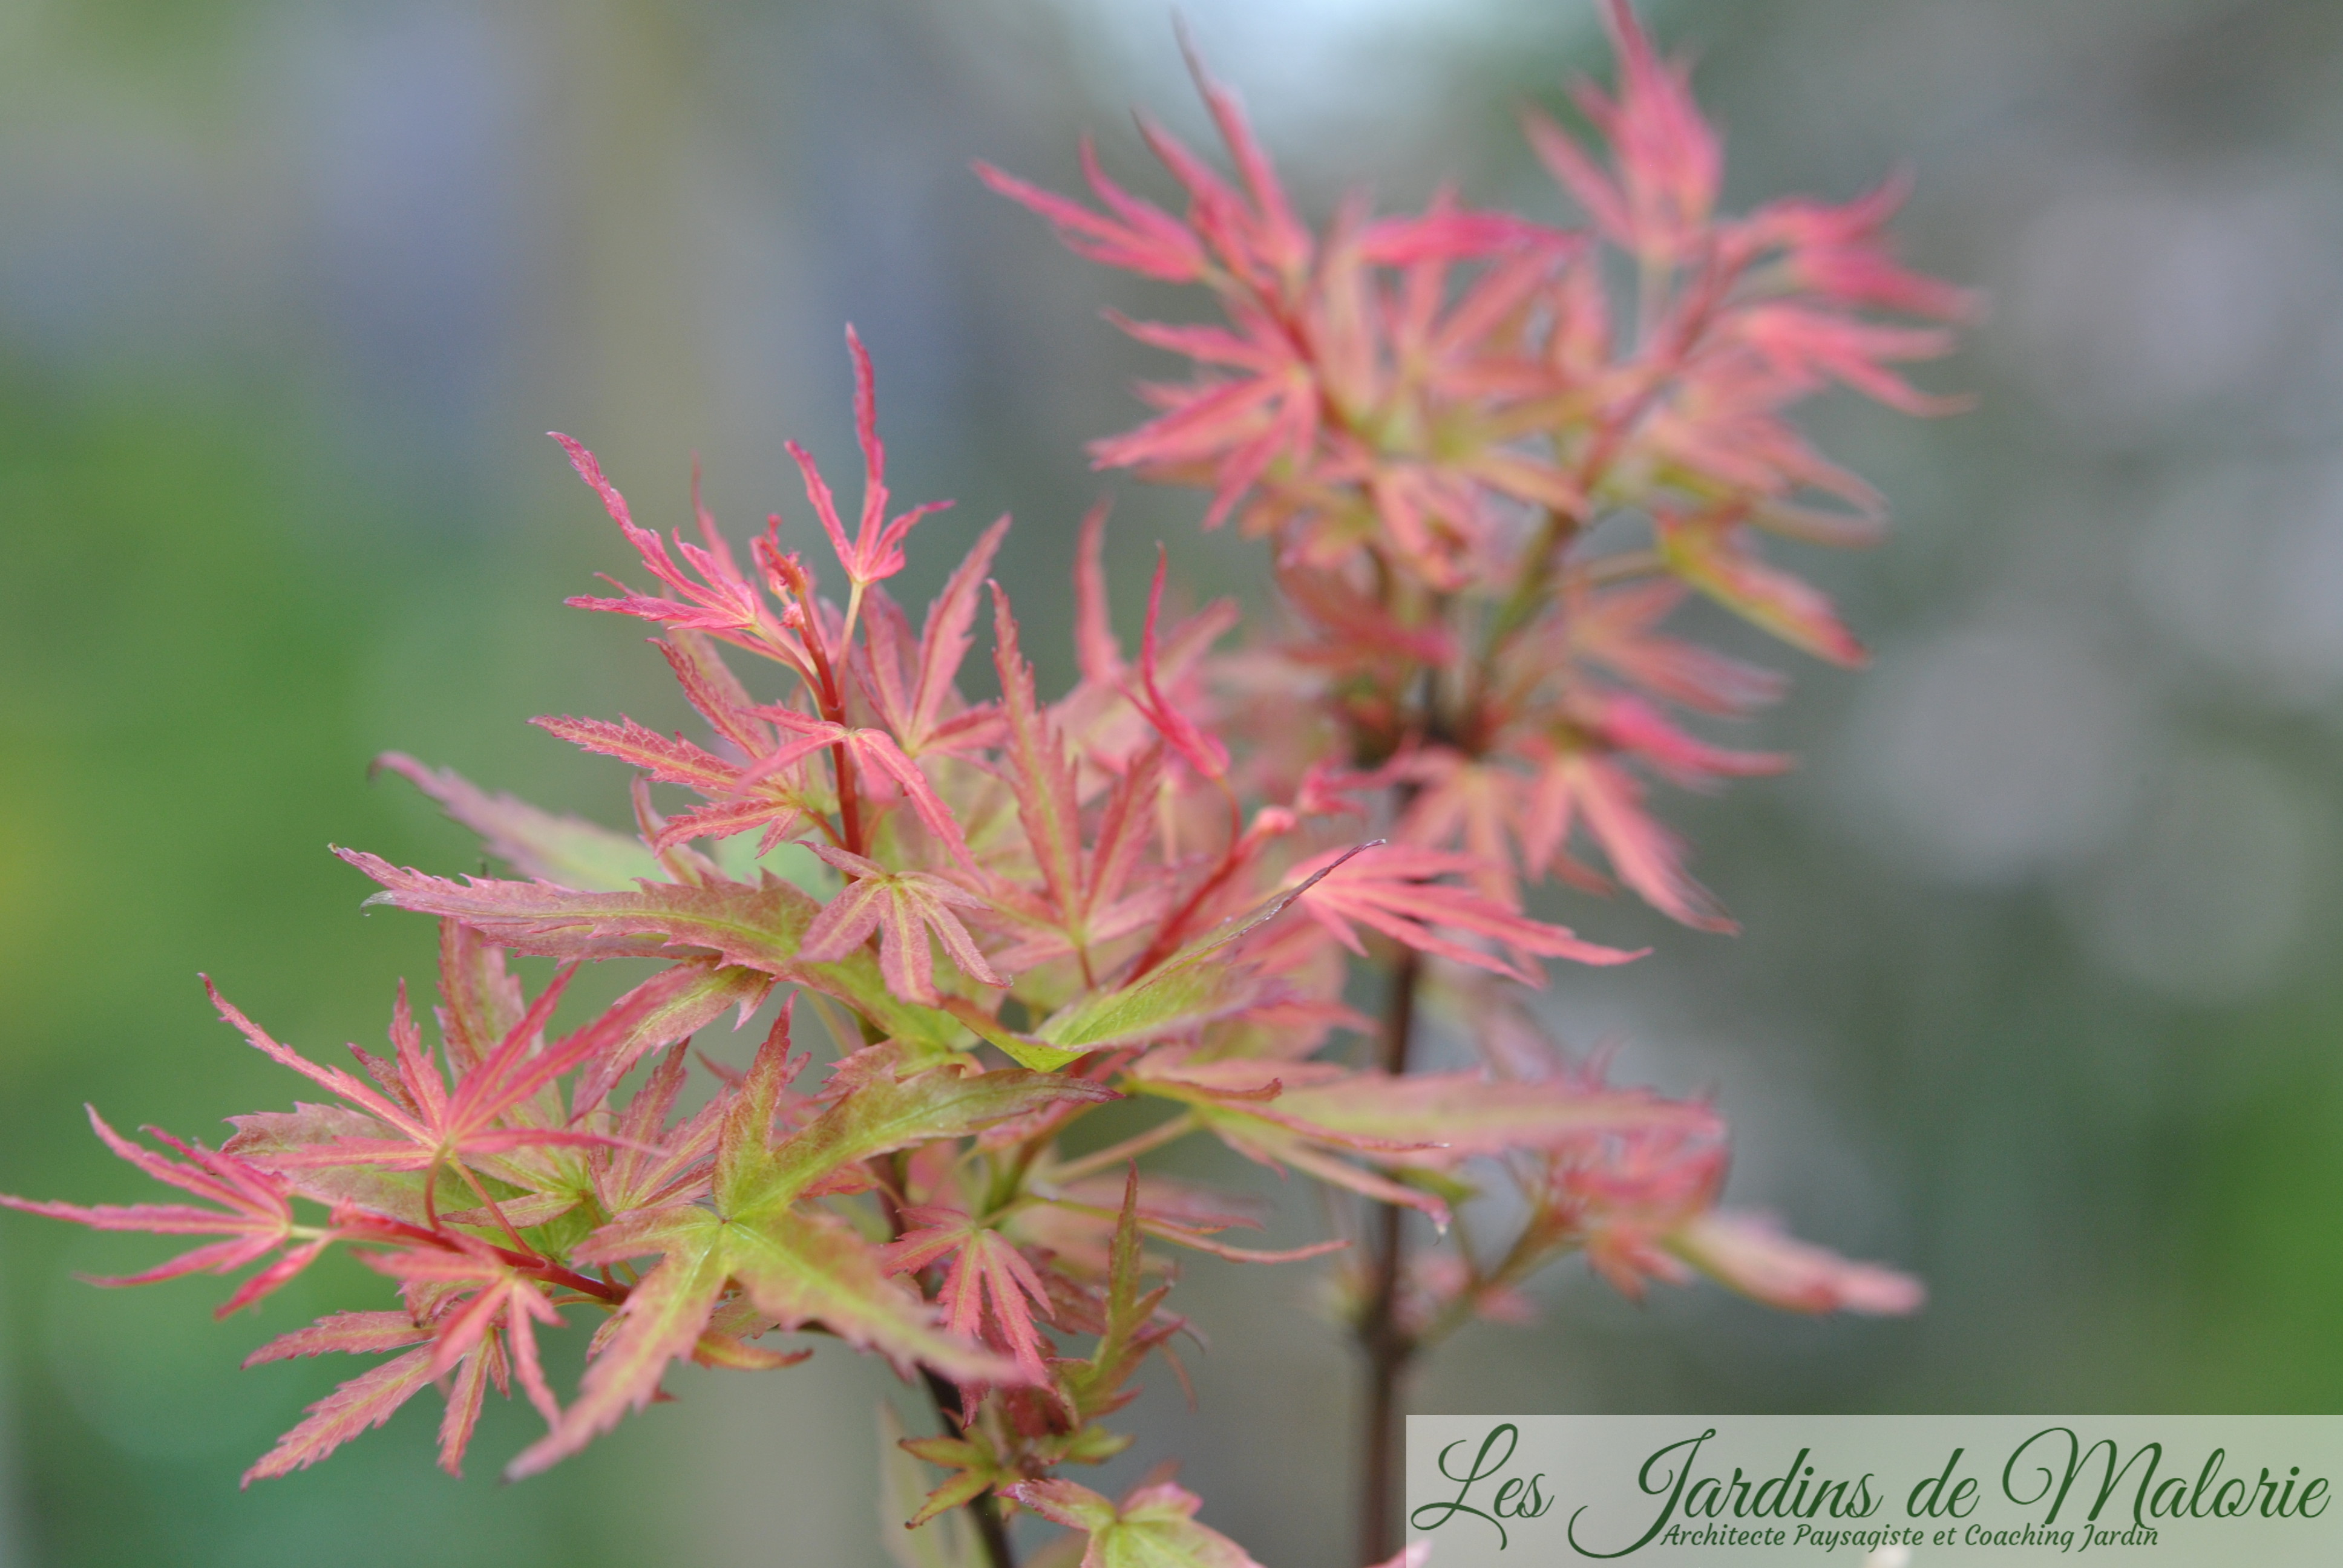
<point x="1040" y="773"/>
<point x="759" y="928"/>
<point x="273" y="1140"/>
<point x="1720" y="559"/>
<point x="799" y="1267"/>
<point x="360" y="1404"/>
<point x="1198" y="747"/>
<point x="1023" y="1048"/>
<point x="1205" y="980"/>
<point x="744" y="1156"/>
<point x="978" y="1469"/>
<point x="1276" y="237"/>
<point x="1132" y="1326"/>
<point x="569" y="851"/>
<point x="903" y="908"/>
<point x="883" y="1113"/>
<point x="724" y="1342"/>
<point x="427" y="1122"/>
<point x="877" y="551"/>
<point x="1067" y="1226"/>
<point x="666" y="1008"/>
<point x="481" y="1000"/>
<point x="1461" y="1114"/>
<point x="499" y="1298"/>
<point x="1153" y="1527"/>
<point x="629" y="1176"/>
<point x="1141" y="237"/>
<point x="712" y="690"/>
<point x="467" y="1391"/>
<point x="1245" y="1120"/>
<point x="1617" y="628"/>
<point x="986" y="1273"/>
<point x="530" y="1209"/>
<point x="1066" y="1503"/>
<point x="1097" y="653"/>
<point x="922" y="1541"/>
<point x="1641" y="731"/>
<point x="722" y="602"/>
<point x="663" y="1319"/>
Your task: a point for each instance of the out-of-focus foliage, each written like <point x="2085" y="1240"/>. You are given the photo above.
<point x="2034" y="948"/>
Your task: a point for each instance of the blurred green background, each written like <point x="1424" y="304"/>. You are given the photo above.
<point x="2036" y="995"/>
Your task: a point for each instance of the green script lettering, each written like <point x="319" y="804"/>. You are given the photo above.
<point x="1432" y="1515"/>
<point x="1673" y="1484"/>
<point x="1938" y="1503"/>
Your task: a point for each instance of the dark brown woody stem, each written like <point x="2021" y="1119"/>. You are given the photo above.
<point x="1388" y="1345"/>
<point x="985" y="1510"/>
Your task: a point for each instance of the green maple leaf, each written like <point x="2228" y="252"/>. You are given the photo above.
<point x="795" y="1265"/>
<point x="1153" y="1527"/>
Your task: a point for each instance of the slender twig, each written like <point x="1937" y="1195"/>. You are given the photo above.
<point x="1105" y="1158"/>
<point x="1381" y="1335"/>
<point x="983" y="1508"/>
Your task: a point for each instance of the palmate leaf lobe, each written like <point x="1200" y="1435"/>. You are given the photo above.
<point x="364" y="1402"/>
<point x="795" y="1266"/>
<point x="758" y="927"/>
<point x="253" y="1217"/>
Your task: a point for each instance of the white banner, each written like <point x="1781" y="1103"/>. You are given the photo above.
<point x="1876" y="1491"/>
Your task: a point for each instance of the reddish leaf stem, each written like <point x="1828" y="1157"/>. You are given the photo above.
<point x="1169" y="934"/>
<point x="831" y="701"/>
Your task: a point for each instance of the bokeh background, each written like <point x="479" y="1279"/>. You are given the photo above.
<point x="2039" y="993"/>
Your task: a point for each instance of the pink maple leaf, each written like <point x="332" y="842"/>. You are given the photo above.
<point x="1751" y="1253"/>
<point x="430" y="1123"/>
<point x="1202" y="749"/>
<point x="254" y="1216"/>
<point x="366" y="1401"/>
<point x="877" y="551"/>
<point x="1134" y="235"/>
<point x="923" y="708"/>
<point x="902" y="907"/>
<point x="1717" y="556"/>
<point x="1666" y="159"/>
<point x="1391" y="888"/>
<point x="721" y="602"/>
<point x="485" y="1294"/>
<point x="1843" y="253"/>
<point x="875" y="753"/>
<point x="986" y="1268"/>
<point x="1618" y="629"/>
<point x="1576" y="786"/>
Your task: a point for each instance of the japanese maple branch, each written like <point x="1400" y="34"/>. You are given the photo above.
<point x="984" y="1508"/>
<point x="1388" y="1346"/>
